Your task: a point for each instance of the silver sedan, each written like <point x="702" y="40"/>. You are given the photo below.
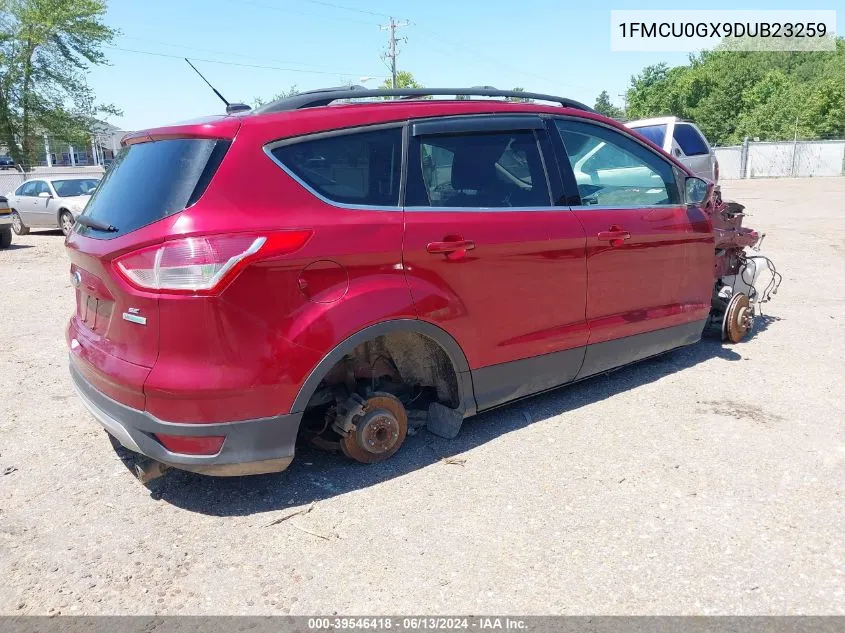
<point x="49" y="203"/>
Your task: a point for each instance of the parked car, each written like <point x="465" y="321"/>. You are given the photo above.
<point x="49" y="203"/>
<point x="319" y="271"/>
<point x="6" y="162"/>
<point x="683" y="140"/>
<point x="5" y="223"/>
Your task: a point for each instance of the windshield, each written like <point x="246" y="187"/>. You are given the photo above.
<point x="76" y="187"/>
<point x="655" y="133"/>
<point x="150" y="181"/>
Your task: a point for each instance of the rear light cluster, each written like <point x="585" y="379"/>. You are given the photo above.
<point x="205" y="264"/>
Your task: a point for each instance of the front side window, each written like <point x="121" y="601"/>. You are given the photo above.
<point x="41" y="187"/>
<point x="496" y="169"/>
<point x="361" y="168"/>
<point x="613" y="170"/>
<point x="690" y="140"/>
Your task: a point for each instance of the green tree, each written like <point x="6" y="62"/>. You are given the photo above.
<point x="284" y="94"/>
<point x="46" y="49"/>
<point x="404" y="79"/>
<point x="520" y="99"/>
<point x="606" y="107"/>
<point x="733" y="94"/>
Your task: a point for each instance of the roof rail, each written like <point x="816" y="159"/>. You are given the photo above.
<point x="325" y="96"/>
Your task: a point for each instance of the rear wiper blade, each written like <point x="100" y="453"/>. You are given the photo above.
<point x="96" y="224"/>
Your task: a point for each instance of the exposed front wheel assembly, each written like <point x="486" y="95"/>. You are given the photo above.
<point x="372" y="430"/>
<point x="738" y="319"/>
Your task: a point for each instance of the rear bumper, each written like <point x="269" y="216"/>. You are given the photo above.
<point x="5" y="219"/>
<point x="251" y="446"/>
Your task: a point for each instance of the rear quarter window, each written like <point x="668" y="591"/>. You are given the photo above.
<point x="655" y="133"/>
<point x="690" y="140"/>
<point x="361" y="168"/>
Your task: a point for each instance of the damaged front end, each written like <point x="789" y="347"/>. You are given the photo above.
<point x="743" y="281"/>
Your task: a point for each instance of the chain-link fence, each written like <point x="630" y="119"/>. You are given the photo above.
<point x="11" y="179"/>
<point x="790" y="159"/>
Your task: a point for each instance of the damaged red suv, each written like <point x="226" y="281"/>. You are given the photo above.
<point x="323" y="267"/>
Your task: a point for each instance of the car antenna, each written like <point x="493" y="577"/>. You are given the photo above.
<point x="231" y="108"/>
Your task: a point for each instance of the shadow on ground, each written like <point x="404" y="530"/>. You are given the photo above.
<point x="14" y="247"/>
<point x="315" y="475"/>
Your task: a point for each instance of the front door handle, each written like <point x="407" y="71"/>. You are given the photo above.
<point x="450" y="246"/>
<point x="616" y="235"/>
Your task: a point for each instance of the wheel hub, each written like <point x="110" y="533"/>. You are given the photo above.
<point x="739" y="318"/>
<point x="379" y="429"/>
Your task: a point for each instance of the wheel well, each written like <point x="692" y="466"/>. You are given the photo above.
<point x="399" y="358"/>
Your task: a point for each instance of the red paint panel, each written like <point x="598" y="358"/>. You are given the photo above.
<point x="659" y="277"/>
<point x="519" y="292"/>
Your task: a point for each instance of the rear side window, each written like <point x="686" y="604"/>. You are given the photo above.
<point x="655" y="133"/>
<point x="150" y="181"/>
<point x="690" y="141"/>
<point x="492" y="170"/>
<point x="361" y="168"/>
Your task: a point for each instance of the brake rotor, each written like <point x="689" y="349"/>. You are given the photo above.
<point x="738" y="318"/>
<point x="379" y="430"/>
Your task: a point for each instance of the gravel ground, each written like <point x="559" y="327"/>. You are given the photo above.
<point x="708" y="481"/>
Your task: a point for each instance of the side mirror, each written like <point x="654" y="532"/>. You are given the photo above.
<point x="44" y="194"/>
<point x="696" y="190"/>
<point x="676" y="152"/>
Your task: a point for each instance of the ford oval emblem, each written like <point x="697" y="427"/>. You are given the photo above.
<point x="76" y="279"/>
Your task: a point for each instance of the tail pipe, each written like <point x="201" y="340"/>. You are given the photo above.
<point x="146" y="470"/>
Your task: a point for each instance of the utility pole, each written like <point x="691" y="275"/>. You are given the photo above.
<point x="392" y="50"/>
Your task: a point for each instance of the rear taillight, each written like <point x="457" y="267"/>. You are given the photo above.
<point x="204" y="264"/>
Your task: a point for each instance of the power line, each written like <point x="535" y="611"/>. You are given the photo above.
<point x="219" y="52"/>
<point x="217" y="61"/>
<point x="392" y="49"/>
<point x="492" y="60"/>
<point x="311" y="15"/>
<point x="337" y="6"/>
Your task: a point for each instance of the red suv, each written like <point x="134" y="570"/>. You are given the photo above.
<point x="321" y="267"/>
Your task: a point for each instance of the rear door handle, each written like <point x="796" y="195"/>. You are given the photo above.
<point x="610" y="236"/>
<point x="450" y="247"/>
<point x="616" y="235"/>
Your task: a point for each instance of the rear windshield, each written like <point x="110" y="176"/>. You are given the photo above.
<point x="149" y="181"/>
<point x="655" y="133"/>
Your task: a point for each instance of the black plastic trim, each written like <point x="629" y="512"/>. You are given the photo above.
<point x="246" y="441"/>
<point x="502" y="383"/>
<point x="465" y="124"/>
<point x="324" y="97"/>
<point x="601" y="357"/>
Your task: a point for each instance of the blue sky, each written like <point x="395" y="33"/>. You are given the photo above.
<point x="543" y="45"/>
